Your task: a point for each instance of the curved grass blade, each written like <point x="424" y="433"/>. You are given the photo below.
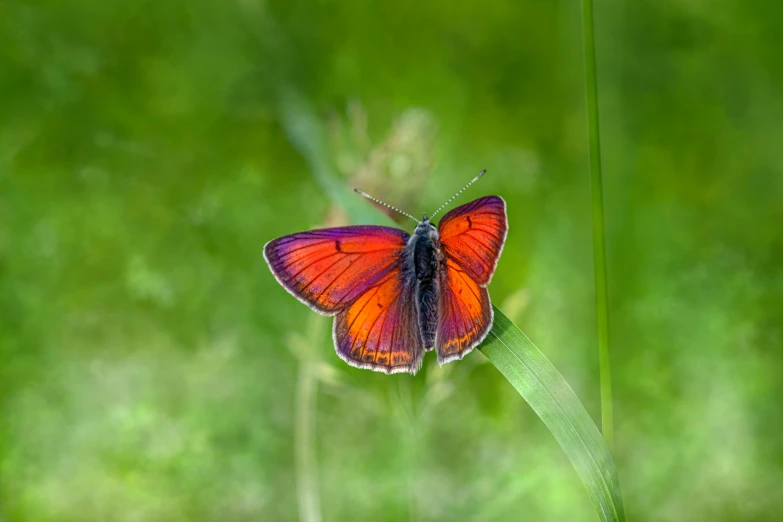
<point x="546" y="391"/>
<point x="517" y="358"/>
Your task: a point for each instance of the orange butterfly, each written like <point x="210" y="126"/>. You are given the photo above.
<point x="395" y="296"/>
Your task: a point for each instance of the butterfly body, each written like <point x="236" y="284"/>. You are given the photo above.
<point x="427" y="260"/>
<point x="394" y="295"/>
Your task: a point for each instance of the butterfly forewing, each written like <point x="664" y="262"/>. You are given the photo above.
<point x="329" y="269"/>
<point x="471" y="238"/>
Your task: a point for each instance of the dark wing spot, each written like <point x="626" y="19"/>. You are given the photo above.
<point x="379" y="305"/>
<point x="470" y="223"/>
<point x="337" y="246"/>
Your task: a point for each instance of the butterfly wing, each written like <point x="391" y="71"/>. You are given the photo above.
<point x="380" y="330"/>
<point x="359" y="274"/>
<point x="472" y="238"/>
<point x="329" y="269"/>
<point x="465" y="314"/>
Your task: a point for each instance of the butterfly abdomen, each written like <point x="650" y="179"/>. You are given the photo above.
<point x="425" y="263"/>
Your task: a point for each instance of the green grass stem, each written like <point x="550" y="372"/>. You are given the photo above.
<point x="599" y="242"/>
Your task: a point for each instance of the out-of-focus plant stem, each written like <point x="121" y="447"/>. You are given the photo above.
<point x="599" y="243"/>
<point x="306" y="396"/>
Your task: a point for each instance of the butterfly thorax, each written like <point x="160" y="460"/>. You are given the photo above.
<point x="425" y="247"/>
<point x="425" y="250"/>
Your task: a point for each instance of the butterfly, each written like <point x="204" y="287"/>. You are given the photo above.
<point x="395" y="296"/>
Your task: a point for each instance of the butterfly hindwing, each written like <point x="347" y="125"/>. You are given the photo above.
<point x="329" y="269"/>
<point x="471" y="238"/>
<point x="380" y="330"/>
<point x="465" y="314"/>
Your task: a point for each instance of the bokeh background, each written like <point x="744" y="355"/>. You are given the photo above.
<point x="152" y="369"/>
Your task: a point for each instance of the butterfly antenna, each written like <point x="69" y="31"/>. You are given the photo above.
<point x="460" y="192"/>
<point x="366" y="195"/>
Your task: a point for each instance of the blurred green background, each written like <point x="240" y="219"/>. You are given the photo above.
<point x="152" y="369"/>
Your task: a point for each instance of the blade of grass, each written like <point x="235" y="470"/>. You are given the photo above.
<point x="512" y="353"/>
<point x="546" y="391"/>
<point x="599" y="243"/>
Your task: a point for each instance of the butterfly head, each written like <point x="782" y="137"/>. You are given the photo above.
<point x="426" y="228"/>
